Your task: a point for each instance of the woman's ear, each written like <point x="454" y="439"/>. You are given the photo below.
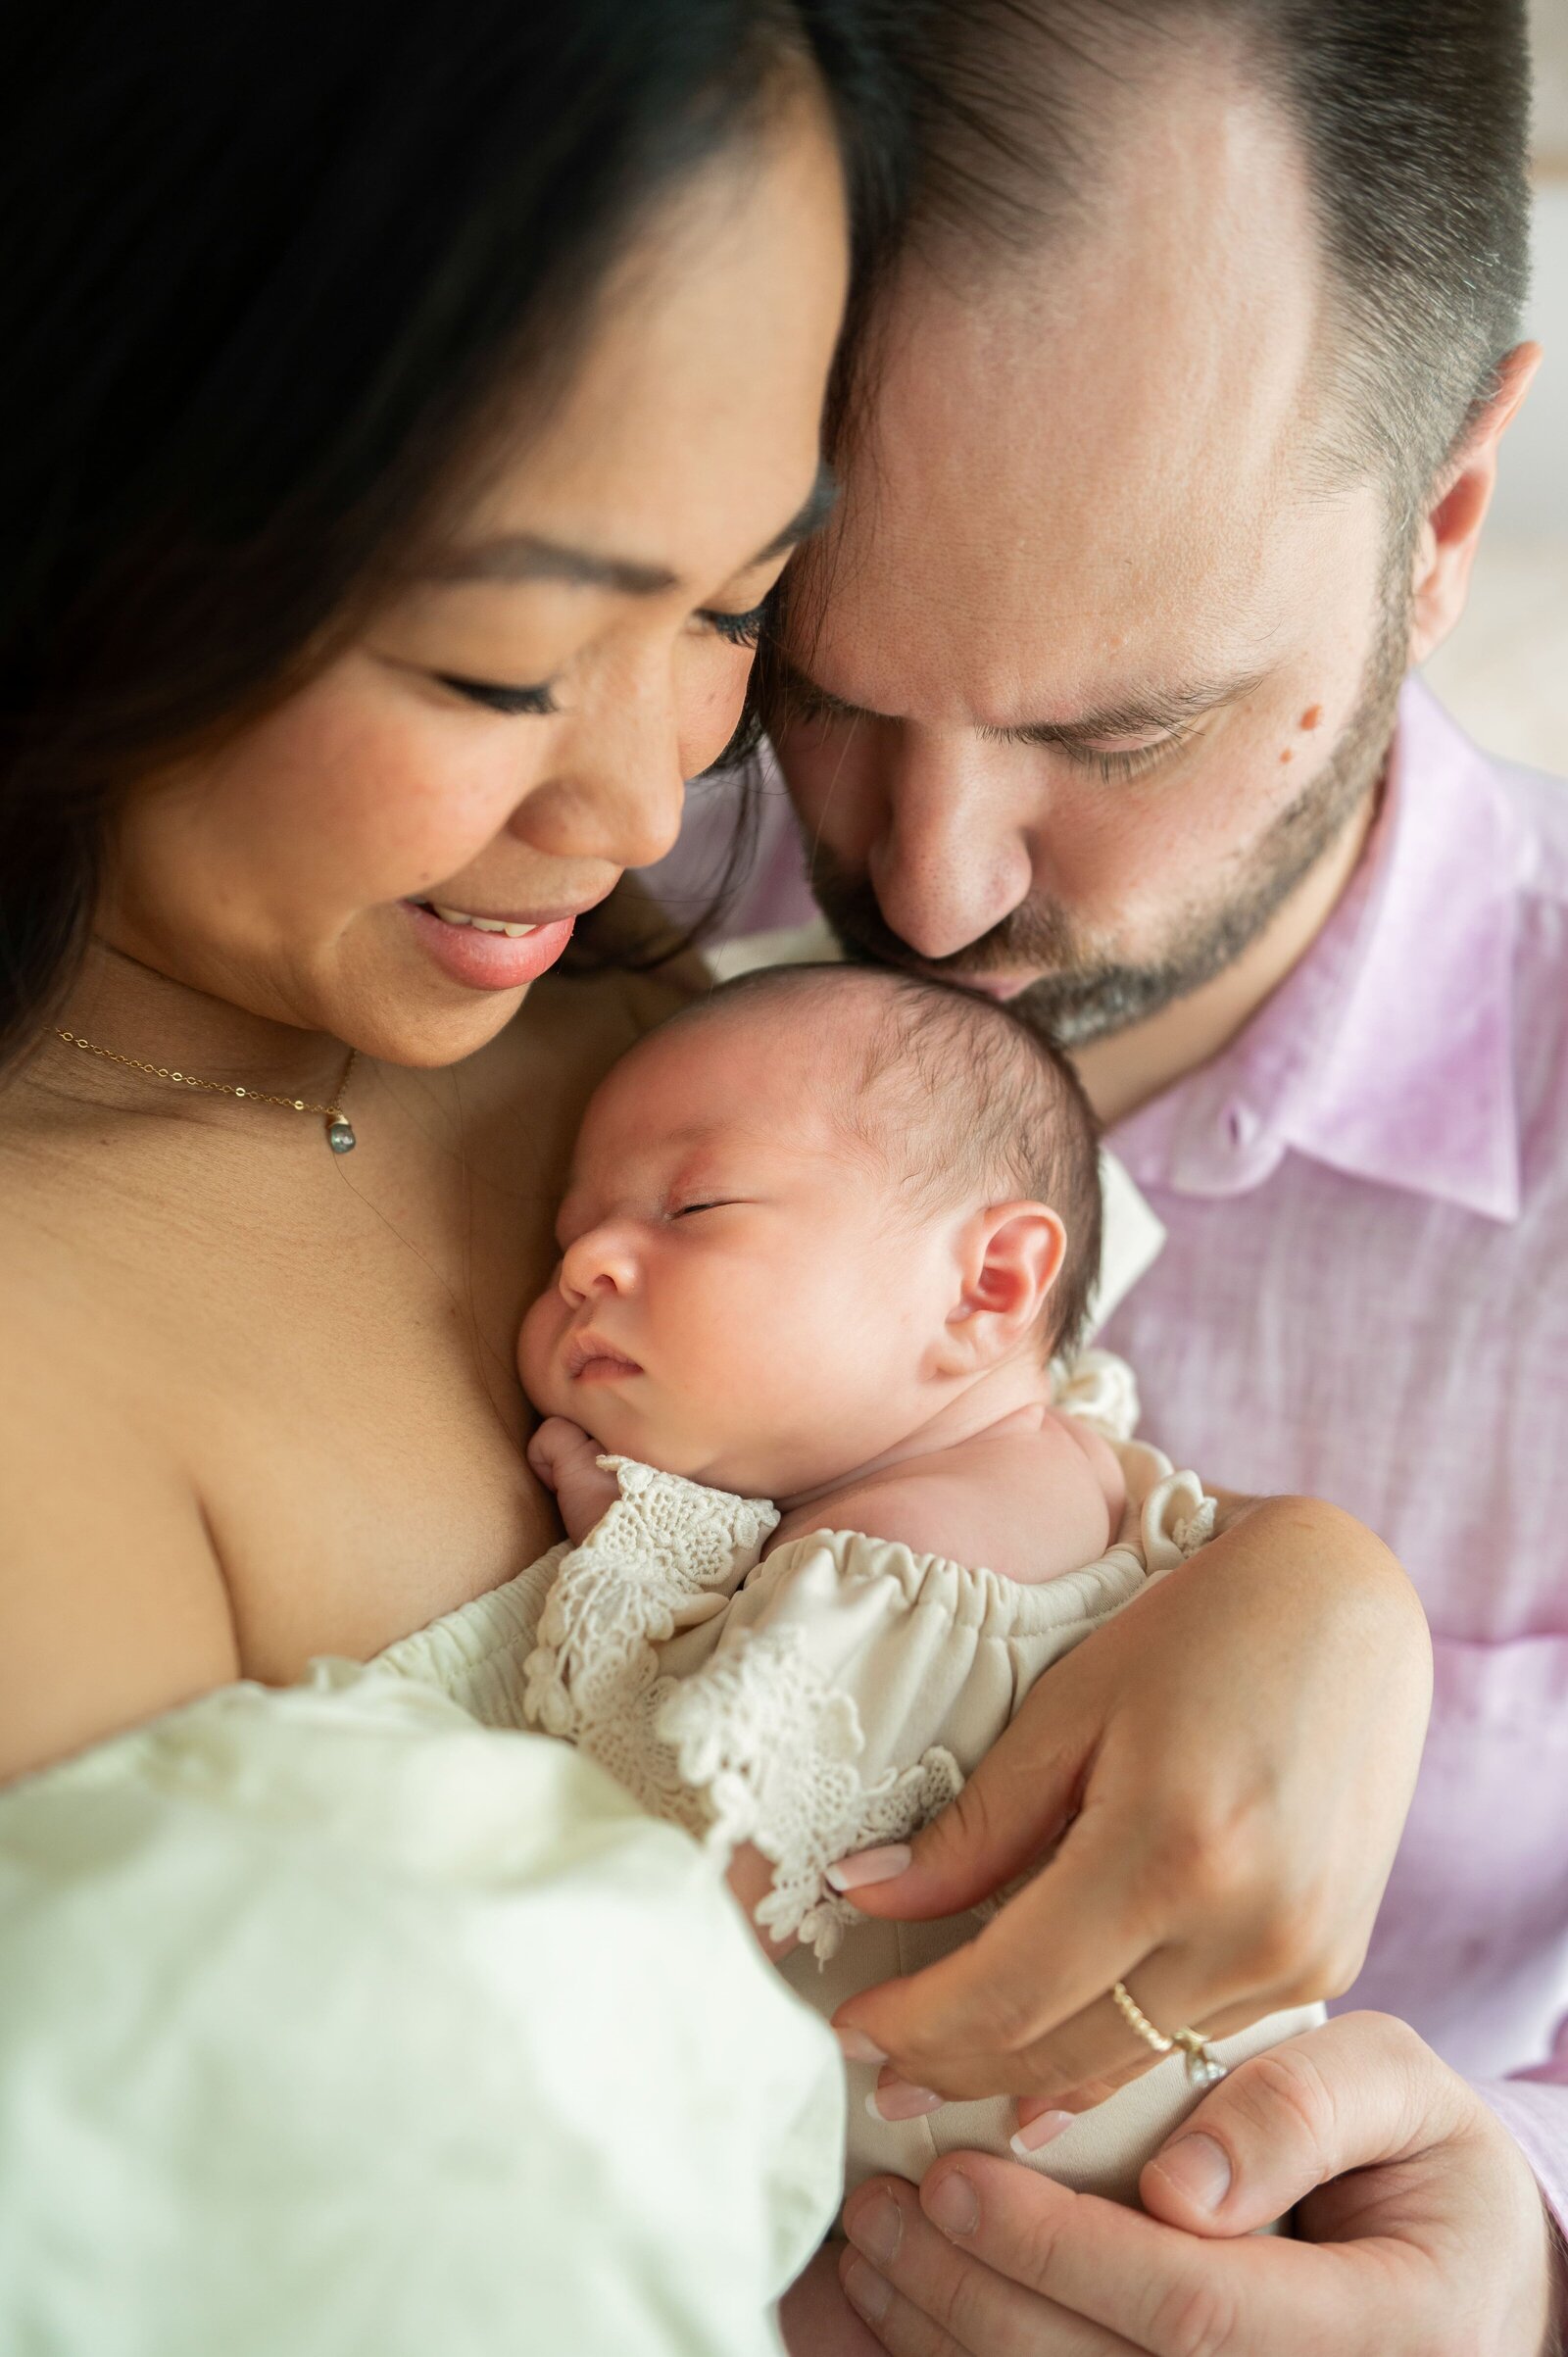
<point x="1451" y="529"/>
<point x="1010" y="1256"/>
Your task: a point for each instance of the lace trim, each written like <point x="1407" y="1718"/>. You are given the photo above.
<point x="755" y="1745"/>
<point x="774" y="1748"/>
<point x="665" y="1557"/>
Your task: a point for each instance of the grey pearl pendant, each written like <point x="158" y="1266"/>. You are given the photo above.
<point x="340" y="1137"/>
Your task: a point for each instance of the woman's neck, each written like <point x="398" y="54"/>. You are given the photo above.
<point x="134" y="1010"/>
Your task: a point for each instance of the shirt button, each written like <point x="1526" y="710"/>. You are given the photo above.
<point x="1242" y="1124"/>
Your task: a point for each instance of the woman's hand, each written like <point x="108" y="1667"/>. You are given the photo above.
<point x="1422" y="2230"/>
<point x="1226" y="1767"/>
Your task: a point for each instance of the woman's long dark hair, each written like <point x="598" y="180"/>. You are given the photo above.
<point x="266" y="268"/>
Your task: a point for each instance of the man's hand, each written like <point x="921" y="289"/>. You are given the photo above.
<point x="1421" y="2229"/>
<point x="566" y="1461"/>
<point x="1226" y="1767"/>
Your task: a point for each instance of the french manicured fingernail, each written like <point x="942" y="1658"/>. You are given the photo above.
<point x="899" y="2100"/>
<point x="1200" y="2168"/>
<point x="870" y="1866"/>
<point x="855" y="2046"/>
<point x="865" y="2290"/>
<point x="1035" y="2134"/>
<point x="954" y="2205"/>
<point x="877" y="2228"/>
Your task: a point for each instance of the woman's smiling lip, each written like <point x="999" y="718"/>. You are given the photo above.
<point x="490" y="952"/>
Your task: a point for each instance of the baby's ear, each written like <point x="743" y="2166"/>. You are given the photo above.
<point x="1010" y="1256"/>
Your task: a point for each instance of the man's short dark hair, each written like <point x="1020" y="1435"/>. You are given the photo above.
<point x="1414" y="117"/>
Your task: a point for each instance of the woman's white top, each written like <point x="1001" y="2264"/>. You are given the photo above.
<point x="336" y="2022"/>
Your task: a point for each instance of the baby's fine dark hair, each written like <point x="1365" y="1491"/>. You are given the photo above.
<point x="969" y="1099"/>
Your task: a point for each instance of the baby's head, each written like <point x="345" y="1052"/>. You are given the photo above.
<point x="802" y="1215"/>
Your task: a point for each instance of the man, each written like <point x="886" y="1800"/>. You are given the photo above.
<point x="1177" y="430"/>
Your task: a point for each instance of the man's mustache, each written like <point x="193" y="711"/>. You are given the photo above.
<point x="1033" y="938"/>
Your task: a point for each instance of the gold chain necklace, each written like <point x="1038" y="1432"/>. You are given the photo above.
<point x="339" y="1136"/>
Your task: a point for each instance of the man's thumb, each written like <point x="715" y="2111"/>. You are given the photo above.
<point x="1284" y="2123"/>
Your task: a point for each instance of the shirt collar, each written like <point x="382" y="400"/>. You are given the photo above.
<point x="1387" y="1052"/>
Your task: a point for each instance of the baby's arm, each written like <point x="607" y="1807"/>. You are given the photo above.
<point x="566" y="1461"/>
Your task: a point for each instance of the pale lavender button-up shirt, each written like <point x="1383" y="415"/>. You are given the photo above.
<point x="1364" y="1297"/>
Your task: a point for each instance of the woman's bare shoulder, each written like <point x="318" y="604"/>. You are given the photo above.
<point x="113" y="1607"/>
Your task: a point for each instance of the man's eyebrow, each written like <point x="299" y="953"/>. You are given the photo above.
<point x="526" y="556"/>
<point x="1140" y="716"/>
<point x="1135" y="716"/>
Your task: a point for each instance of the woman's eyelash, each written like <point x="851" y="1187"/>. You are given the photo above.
<point x="497" y="698"/>
<point x="740" y="629"/>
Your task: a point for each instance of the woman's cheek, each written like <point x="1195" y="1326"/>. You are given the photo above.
<point x="710" y="678"/>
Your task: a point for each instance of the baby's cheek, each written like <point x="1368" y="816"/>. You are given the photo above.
<point x="538" y="1362"/>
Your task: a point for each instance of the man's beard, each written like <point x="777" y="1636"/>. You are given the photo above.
<point x="1083" y="992"/>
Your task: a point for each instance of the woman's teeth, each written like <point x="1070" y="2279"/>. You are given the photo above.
<point x="480" y="924"/>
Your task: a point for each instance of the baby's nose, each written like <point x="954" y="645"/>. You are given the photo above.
<point x="601" y="1261"/>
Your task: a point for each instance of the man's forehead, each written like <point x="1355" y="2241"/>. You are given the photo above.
<point x="1095" y="448"/>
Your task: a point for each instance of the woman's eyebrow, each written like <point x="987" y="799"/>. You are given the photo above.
<point x="811" y="515"/>
<point x="526" y="556"/>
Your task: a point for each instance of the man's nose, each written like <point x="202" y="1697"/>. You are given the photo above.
<point x="602" y="1261"/>
<point x="952" y="857"/>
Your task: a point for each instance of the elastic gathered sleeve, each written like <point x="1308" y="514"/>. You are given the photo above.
<point x="336" y="2022"/>
<point x="832" y="1695"/>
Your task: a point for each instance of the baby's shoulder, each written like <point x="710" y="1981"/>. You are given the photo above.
<point x="1027" y="1497"/>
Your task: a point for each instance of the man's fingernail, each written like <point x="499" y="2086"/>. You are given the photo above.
<point x="876" y="2227"/>
<point x="870" y="1866"/>
<point x="1035" y="2135"/>
<point x="952" y="2204"/>
<point x="897" y="2099"/>
<point x="855" y="2046"/>
<point x="867" y="2292"/>
<point x="1200" y="2168"/>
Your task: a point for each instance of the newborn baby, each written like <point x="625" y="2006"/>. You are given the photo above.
<point x="824" y="1234"/>
<point x="827" y="1234"/>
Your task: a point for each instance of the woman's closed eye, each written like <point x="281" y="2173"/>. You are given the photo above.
<point x="739" y="629"/>
<point x="736" y="629"/>
<point x="708" y="1203"/>
<point x="497" y="698"/>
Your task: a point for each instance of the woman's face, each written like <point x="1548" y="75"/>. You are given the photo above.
<point x="512" y="732"/>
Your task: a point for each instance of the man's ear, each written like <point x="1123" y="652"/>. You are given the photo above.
<point x="1010" y="1256"/>
<point x="1451" y="529"/>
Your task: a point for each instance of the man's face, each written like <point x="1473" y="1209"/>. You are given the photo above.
<point x="1098" y="659"/>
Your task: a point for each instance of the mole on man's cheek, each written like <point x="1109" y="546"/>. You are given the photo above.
<point x="1311" y="717"/>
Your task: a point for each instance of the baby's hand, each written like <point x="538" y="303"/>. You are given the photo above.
<point x="566" y="1461"/>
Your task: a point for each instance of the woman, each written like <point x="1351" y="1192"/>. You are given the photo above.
<point x="407" y="427"/>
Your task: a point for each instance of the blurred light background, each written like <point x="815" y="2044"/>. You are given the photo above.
<point x="1505" y="672"/>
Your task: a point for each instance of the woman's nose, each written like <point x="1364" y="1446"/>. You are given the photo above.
<point x="601" y="1261"/>
<point x="617" y="787"/>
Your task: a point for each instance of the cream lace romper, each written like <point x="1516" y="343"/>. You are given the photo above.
<point x="835" y="1696"/>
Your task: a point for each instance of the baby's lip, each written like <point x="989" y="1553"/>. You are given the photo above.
<point x="590" y="1349"/>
